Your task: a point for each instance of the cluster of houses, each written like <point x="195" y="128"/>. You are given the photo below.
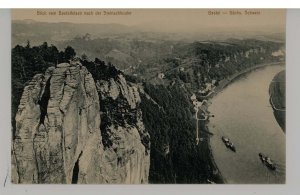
<point x="208" y="88"/>
<point x="197" y="104"/>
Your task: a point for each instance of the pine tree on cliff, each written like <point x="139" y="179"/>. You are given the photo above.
<point x="69" y="53"/>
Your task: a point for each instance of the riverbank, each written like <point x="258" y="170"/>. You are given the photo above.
<point x="203" y="124"/>
<point x="277" y="98"/>
<point x="225" y="82"/>
<point x="215" y="174"/>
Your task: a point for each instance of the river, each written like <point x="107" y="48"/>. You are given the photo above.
<point x="244" y="115"/>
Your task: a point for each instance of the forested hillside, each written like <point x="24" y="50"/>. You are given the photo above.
<point x="175" y="157"/>
<point x="167" y="110"/>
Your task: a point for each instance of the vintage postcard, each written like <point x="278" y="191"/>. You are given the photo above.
<point x="148" y="96"/>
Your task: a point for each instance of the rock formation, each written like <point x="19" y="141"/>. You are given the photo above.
<point x="73" y="129"/>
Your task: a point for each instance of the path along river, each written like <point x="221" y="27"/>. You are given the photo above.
<point x="243" y="114"/>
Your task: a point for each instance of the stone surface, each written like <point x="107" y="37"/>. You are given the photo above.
<point x="127" y="141"/>
<point x="59" y="137"/>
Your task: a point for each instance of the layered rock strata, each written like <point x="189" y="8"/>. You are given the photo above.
<point x="58" y="137"/>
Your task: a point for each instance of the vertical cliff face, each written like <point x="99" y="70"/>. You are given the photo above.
<point x="126" y="143"/>
<point x="58" y="137"/>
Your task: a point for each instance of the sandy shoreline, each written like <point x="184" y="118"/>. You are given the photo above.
<point x="222" y="85"/>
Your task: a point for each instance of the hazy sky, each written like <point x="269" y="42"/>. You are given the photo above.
<point x="169" y="19"/>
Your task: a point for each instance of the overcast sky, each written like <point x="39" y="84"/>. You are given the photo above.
<point x="171" y="20"/>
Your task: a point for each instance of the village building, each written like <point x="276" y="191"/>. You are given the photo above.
<point x="161" y="75"/>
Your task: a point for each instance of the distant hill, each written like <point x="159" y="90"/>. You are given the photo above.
<point x="146" y="54"/>
<point x="22" y="30"/>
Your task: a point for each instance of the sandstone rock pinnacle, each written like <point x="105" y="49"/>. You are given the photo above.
<point x="60" y="137"/>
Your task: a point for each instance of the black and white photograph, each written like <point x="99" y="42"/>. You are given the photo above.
<point x="148" y="96"/>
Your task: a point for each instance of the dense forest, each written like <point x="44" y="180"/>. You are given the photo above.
<point x="175" y="157"/>
<point x="209" y="61"/>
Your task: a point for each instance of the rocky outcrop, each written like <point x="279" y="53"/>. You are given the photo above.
<point x="60" y="137"/>
<point x="123" y="130"/>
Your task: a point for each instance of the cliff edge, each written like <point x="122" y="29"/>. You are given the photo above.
<point x="71" y="128"/>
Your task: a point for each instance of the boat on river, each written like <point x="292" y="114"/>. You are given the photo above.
<point x="267" y="161"/>
<point x="228" y="143"/>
